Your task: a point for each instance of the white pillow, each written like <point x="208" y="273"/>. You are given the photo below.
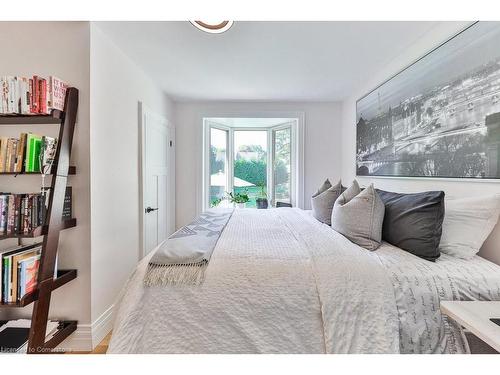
<point x="467" y="223"/>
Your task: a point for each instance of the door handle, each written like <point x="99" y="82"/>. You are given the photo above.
<point x="149" y="209"/>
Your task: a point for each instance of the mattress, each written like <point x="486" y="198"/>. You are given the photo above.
<point x="281" y="282"/>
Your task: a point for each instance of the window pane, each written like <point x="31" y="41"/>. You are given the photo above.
<point x="218" y="166"/>
<point x="282" y="164"/>
<point x="250" y="163"/>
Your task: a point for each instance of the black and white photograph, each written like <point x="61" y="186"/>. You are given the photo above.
<point x="440" y="117"/>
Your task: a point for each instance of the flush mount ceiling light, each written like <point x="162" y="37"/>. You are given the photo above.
<point x="213" y="27"/>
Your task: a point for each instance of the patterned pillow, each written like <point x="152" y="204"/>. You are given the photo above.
<point x="322" y="204"/>
<point x="358" y="215"/>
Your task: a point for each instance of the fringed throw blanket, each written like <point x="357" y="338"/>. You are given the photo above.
<point x="184" y="256"/>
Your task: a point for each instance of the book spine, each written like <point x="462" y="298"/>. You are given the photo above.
<point x="43" y="96"/>
<point x="8" y="155"/>
<point x="17" y="213"/>
<point x="18" y="167"/>
<point x="2" y="213"/>
<point x="22" y="282"/>
<point x="1" y="100"/>
<point x="26" y="215"/>
<point x="10" y="214"/>
<point x="11" y="95"/>
<point x="36" y="95"/>
<point x="3" y="153"/>
<point x="9" y="280"/>
<point x="32" y="95"/>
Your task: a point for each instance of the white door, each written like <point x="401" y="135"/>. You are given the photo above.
<point x="156" y="154"/>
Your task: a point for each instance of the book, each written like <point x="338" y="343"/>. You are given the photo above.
<point x="3" y="213"/>
<point x="42" y="96"/>
<point x="57" y="93"/>
<point x="36" y="95"/>
<point x="33" y="147"/>
<point x="10" y="214"/>
<point x="3" y="153"/>
<point x="22" y="213"/>
<point x="68" y="201"/>
<point x="24" y="95"/>
<point x="21" y="147"/>
<point x="16" y="284"/>
<point x="12" y="339"/>
<point x="14" y="334"/>
<point x="48" y="153"/>
<point x="11" y="154"/>
<point x="10" y="259"/>
<point x="31" y="274"/>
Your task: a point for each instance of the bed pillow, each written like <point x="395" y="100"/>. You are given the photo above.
<point x="358" y="215"/>
<point x="326" y="185"/>
<point x="413" y="222"/>
<point x="322" y="204"/>
<point x="467" y="223"/>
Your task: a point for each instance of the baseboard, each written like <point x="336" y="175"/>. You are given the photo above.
<point x="88" y="336"/>
<point x="102" y="326"/>
<point x="78" y="341"/>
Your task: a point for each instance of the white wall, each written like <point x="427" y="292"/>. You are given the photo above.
<point x="452" y="188"/>
<point x="116" y="85"/>
<point x="322" y="151"/>
<point x="64" y="53"/>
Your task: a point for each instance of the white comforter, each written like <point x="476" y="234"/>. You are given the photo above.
<point x="281" y="282"/>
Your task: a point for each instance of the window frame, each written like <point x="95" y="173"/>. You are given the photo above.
<point x="293" y="160"/>
<point x="297" y="156"/>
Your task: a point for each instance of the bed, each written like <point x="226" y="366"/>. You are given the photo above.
<point x="279" y="281"/>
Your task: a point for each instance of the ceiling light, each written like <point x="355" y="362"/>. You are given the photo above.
<point x="213" y="27"/>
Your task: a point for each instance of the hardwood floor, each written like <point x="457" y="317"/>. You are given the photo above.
<point x="102" y="348"/>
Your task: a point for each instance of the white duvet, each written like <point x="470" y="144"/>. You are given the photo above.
<point x="281" y="282"/>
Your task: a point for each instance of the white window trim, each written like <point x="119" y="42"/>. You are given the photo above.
<point x="298" y="133"/>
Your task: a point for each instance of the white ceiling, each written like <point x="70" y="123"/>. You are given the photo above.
<point x="267" y="61"/>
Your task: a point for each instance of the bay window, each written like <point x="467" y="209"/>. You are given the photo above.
<point x="255" y="156"/>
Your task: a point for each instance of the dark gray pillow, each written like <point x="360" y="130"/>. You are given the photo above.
<point x="413" y="222"/>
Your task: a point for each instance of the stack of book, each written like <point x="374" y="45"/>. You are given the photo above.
<point x="31" y="96"/>
<point x="21" y="213"/>
<point x="19" y="272"/>
<point x="28" y="153"/>
<point x="14" y="335"/>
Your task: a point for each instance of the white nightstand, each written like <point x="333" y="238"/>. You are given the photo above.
<point x="475" y="317"/>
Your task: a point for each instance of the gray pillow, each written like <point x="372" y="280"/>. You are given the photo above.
<point x="322" y="204"/>
<point x="358" y="215"/>
<point x="326" y="185"/>
<point x="413" y="222"/>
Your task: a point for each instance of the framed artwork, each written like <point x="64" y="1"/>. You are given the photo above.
<point x="439" y="117"/>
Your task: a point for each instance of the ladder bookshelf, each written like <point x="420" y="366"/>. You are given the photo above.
<point x="53" y="225"/>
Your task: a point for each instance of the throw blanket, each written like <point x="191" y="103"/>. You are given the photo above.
<point x="184" y="256"/>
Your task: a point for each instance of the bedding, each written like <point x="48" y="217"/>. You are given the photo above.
<point x="279" y="281"/>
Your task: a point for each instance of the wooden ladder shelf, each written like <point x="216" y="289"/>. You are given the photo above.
<point x="53" y="225"/>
